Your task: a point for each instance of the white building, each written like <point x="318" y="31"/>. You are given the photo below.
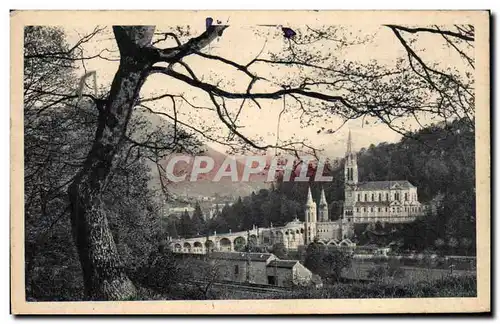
<point x="378" y="201"/>
<point x="178" y="211"/>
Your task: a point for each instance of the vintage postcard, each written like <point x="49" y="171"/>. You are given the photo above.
<point x="250" y="162"/>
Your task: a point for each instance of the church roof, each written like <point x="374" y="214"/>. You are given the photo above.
<point x="310" y="200"/>
<point x="322" y="200"/>
<point x="385" y="185"/>
<point x="282" y="263"/>
<point x="372" y="203"/>
<point x="392" y="203"/>
<point x="293" y="223"/>
<point x="242" y="256"/>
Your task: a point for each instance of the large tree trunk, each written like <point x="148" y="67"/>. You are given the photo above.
<point x="103" y="271"/>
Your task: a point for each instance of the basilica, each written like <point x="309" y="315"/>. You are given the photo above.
<point x="394" y="201"/>
<point x="370" y="202"/>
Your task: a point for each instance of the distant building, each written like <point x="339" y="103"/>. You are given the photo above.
<point x="287" y="273"/>
<point x="365" y="202"/>
<point x="393" y="201"/>
<point x="243" y="267"/>
<point x="215" y="208"/>
<point x="178" y="211"/>
<point x="260" y="268"/>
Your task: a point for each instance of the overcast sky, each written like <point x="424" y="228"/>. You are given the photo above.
<point x="242" y="42"/>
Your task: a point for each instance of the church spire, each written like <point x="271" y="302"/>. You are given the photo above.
<point x="310" y="218"/>
<point x="349" y="144"/>
<point x="310" y="200"/>
<point x="322" y="201"/>
<point x="351" y="165"/>
<point x="323" y="207"/>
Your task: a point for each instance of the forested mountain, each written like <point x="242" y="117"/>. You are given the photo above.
<point x="438" y="159"/>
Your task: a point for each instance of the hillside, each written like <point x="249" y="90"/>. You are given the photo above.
<point x="204" y="186"/>
<point x="438" y="159"/>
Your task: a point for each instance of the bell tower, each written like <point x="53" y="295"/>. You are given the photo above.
<point x="351" y="164"/>
<point x="310" y="219"/>
<point x="323" y="208"/>
<point x="350" y="181"/>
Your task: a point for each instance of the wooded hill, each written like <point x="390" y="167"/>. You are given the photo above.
<point x="438" y="159"/>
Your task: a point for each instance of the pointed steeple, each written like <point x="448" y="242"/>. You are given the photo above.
<point x="310" y="200"/>
<point x="349" y="144"/>
<point x="322" y="201"/>
<point x="351" y="164"/>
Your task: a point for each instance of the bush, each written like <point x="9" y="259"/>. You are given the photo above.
<point x="386" y="271"/>
<point x="451" y="286"/>
<point x="178" y="277"/>
<point x="326" y="262"/>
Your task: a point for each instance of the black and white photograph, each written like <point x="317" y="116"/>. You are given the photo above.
<point x="227" y="159"/>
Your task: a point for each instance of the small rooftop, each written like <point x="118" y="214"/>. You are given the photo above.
<point x="282" y="263"/>
<point x="385" y="185"/>
<point x="243" y="256"/>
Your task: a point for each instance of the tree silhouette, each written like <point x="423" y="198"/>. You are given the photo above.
<point x="198" y="220"/>
<point x="323" y="85"/>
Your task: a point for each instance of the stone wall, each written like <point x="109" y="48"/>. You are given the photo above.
<point x="236" y="270"/>
<point x="286" y="277"/>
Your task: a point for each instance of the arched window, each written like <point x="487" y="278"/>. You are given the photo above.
<point x="373" y="197"/>
<point x="379" y="197"/>
<point x="387" y="197"/>
<point x="406" y="196"/>
<point x="359" y="197"/>
<point x="366" y="197"/>
<point x="349" y="174"/>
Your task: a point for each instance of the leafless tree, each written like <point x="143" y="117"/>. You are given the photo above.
<point x="321" y="85"/>
<point x="451" y="85"/>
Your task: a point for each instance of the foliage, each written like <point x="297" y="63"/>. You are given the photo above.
<point x="326" y="262"/>
<point x="279" y="250"/>
<point x="450" y="286"/>
<point x="178" y="277"/>
<point x="62" y="129"/>
<point x="58" y="134"/>
<point x="385" y="271"/>
<point x="438" y="159"/>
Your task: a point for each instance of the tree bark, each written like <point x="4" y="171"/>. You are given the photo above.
<point x="104" y="275"/>
<point x="103" y="271"/>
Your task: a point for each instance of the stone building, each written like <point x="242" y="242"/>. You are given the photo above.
<point x="364" y="202"/>
<point x="242" y="267"/>
<point x="287" y="273"/>
<point x="316" y="226"/>
<point x="260" y="268"/>
<point x="394" y="201"/>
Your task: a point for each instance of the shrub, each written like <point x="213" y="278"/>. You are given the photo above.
<point x="451" y="286"/>
<point x="390" y="270"/>
<point x="326" y="262"/>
